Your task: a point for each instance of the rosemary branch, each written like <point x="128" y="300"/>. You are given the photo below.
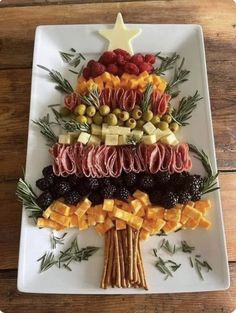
<point x="46" y="129"/>
<point x="73" y="58"/>
<point x="166" y="64"/>
<point x="92" y="98"/>
<point x="186" y="106"/>
<point x="57" y="240"/>
<point x="62" y="84"/>
<point x="145" y="102"/>
<point x="26" y="194"/>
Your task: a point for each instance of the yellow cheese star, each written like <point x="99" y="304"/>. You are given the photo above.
<point x="120" y="36"/>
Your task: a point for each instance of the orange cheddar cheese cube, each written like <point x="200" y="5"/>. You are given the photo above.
<point x="83" y="223"/>
<point x="192" y="223"/>
<point x="47" y="212"/>
<point x="103" y="228"/>
<point x="204" y="203"/>
<point x="141" y="212"/>
<point x="205" y="223"/>
<point x="61" y="208"/>
<point x="73" y="208"/>
<point x="83" y="207"/>
<point x="120" y="224"/>
<point x="135" y="205"/>
<point x="135" y="221"/>
<point x="60" y="219"/>
<point x="155" y="212"/>
<point x="172" y="215"/>
<point x="121" y="214"/>
<point x="91" y="220"/>
<point x="189" y="212"/>
<point x="108" y="205"/>
<point x="171" y="226"/>
<point x="143" y="197"/>
<point x="144" y="234"/>
<point x="160" y="223"/>
<point x="42" y="222"/>
<point x="74" y="221"/>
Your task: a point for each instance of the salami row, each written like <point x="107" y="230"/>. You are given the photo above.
<point x="110" y="161"/>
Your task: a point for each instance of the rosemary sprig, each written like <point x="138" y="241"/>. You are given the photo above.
<point x="186" y="106"/>
<point x="180" y="76"/>
<point x="57" y="240"/>
<point x="199" y="265"/>
<point x="132" y="140"/>
<point x="73" y="58"/>
<point x="168" y="247"/>
<point x="145" y="102"/>
<point x="26" y="194"/>
<point x="46" y="129"/>
<point x="92" y="98"/>
<point x="161" y="265"/>
<point x="62" y="84"/>
<point x="186" y="248"/>
<point x="47" y="261"/>
<point x="166" y="64"/>
<point x="209" y="182"/>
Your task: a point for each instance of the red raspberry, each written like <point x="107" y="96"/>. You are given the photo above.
<point x="137" y="59"/>
<point x="150" y="58"/>
<point x="145" y="67"/>
<point x="90" y="63"/>
<point x="120" y="71"/>
<point x="131" y="68"/>
<point x="120" y="59"/>
<point x="124" y="53"/>
<point x="108" y="57"/>
<point x="112" y="68"/>
<point x="97" y="69"/>
<point x="86" y="72"/>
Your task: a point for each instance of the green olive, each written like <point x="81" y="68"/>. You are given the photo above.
<point x="104" y="110"/>
<point x="147" y="116"/>
<point x="116" y="111"/>
<point x="64" y="111"/>
<point x="91" y="111"/>
<point x="174" y="127"/>
<point x="166" y="118"/>
<point x="89" y="120"/>
<point x="155" y="120"/>
<point x="97" y="119"/>
<point x="80" y="109"/>
<point x="131" y="123"/>
<point x="139" y="124"/>
<point x="163" y="125"/>
<point x="136" y="114"/>
<point x="81" y="119"/>
<point x="123" y="116"/>
<point x="111" y="119"/>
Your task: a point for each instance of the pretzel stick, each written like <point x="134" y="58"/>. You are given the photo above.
<point x="130" y="252"/>
<point x="125" y="252"/>
<point x="122" y="263"/>
<point x="110" y="260"/>
<point x="136" y="238"/>
<point x="141" y="262"/>
<point x="113" y="277"/>
<point x="118" y="274"/>
<point x="106" y="257"/>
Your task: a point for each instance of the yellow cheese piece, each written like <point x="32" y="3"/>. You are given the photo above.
<point x="172" y="215"/>
<point x="135" y="205"/>
<point x="48" y="211"/>
<point x="91" y="220"/>
<point x="135" y="221"/>
<point x="143" y="197"/>
<point x="60" y="219"/>
<point x="61" y="208"/>
<point x="73" y="208"/>
<point x="141" y="212"/>
<point x="120" y="224"/>
<point x="121" y="214"/>
<point x="103" y="228"/>
<point x="171" y="226"/>
<point x="203" y="206"/>
<point x="155" y="212"/>
<point x="74" y="221"/>
<point x="205" y="223"/>
<point x="83" y="223"/>
<point x="42" y="222"/>
<point x="108" y="205"/>
<point x="144" y="234"/>
<point x="83" y="207"/>
<point x="160" y="223"/>
<point x="192" y="223"/>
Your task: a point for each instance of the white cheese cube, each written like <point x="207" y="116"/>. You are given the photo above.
<point x="83" y="137"/>
<point x="161" y="133"/>
<point x="124" y="130"/>
<point x="105" y="130"/>
<point x="149" y="139"/>
<point x="64" y="139"/>
<point x="122" y="140"/>
<point x="137" y="134"/>
<point x="94" y="140"/>
<point x="96" y="130"/>
<point x="113" y="130"/>
<point x="111" y="140"/>
<point x="149" y="128"/>
<point x="169" y="139"/>
<point x="74" y="136"/>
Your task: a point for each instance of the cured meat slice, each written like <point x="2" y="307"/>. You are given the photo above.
<point x="142" y="153"/>
<point x="127" y="159"/>
<point x="155" y="160"/>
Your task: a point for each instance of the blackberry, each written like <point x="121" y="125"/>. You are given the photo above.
<point x="155" y="196"/>
<point x="162" y="177"/>
<point x="106" y="181"/>
<point x="122" y="193"/>
<point x="184" y="197"/>
<point x="73" y="180"/>
<point x="92" y="183"/>
<point x="44" y="200"/>
<point x="146" y="181"/>
<point x="118" y="181"/>
<point x="177" y="179"/>
<point x="192" y="184"/>
<point x="73" y="197"/>
<point x="44" y="183"/>
<point x="196" y="195"/>
<point x="95" y="198"/>
<point x="47" y="171"/>
<point x="130" y="179"/>
<point x="169" y="200"/>
<point x="82" y="189"/>
<point x="109" y="191"/>
<point x="61" y="188"/>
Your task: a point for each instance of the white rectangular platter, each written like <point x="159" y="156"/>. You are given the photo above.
<point x="186" y="40"/>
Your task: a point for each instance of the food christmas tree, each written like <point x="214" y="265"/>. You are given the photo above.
<point x="117" y="163"/>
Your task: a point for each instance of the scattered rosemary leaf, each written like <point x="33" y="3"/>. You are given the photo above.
<point x="53" y="105"/>
<point x="62" y="84"/>
<point x="57" y="240"/>
<point x="186" y="248"/>
<point x="73" y="58"/>
<point x="145" y="101"/>
<point x="199" y="271"/>
<point x="92" y="98"/>
<point x="46" y="129"/>
<point x="26" y="194"/>
<point x="167" y="246"/>
<point x="47" y="261"/>
<point x="167" y="63"/>
<point x="74" y="72"/>
<point x="155" y="252"/>
<point x="191" y="261"/>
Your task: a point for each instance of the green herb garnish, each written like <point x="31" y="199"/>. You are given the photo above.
<point x="47" y="261"/>
<point x="26" y="194"/>
<point x="162" y="266"/>
<point x="167" y="246"/>
<point x="146" y="98"/>
<point x="92" y="98"/>
<point x="186" y="106"/>
<point x="73" y="58"/>
<point x="186" y="248"/>
<point x="46" y="129"/>
<point x="166" y="64"/>
<point x="62" y="84"/>
<point x="57" y="240"/>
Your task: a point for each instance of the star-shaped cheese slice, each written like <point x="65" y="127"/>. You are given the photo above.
<point x="120" y="36"/>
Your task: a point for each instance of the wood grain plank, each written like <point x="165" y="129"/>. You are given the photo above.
<point x="11" y="218"/>
<point x="18" y="25"/>
<point x="12" y="301"/>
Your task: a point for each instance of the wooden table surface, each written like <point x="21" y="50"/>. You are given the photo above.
<point x="18" y="20"/>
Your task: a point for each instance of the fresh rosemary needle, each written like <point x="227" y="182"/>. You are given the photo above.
<point x="46" y="129"/>
<point x="57" y="240"/>
<point x="145" y="101"/>
<point x="167" y="63"/>
<point x="92" y="98"/>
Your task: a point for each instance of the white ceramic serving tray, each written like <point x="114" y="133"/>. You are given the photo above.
<point x="186" y="40"/>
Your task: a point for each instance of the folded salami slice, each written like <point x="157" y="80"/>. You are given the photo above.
<point x="127" y="159"/>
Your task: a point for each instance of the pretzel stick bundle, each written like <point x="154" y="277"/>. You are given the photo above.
<point x="123" y="265"/>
